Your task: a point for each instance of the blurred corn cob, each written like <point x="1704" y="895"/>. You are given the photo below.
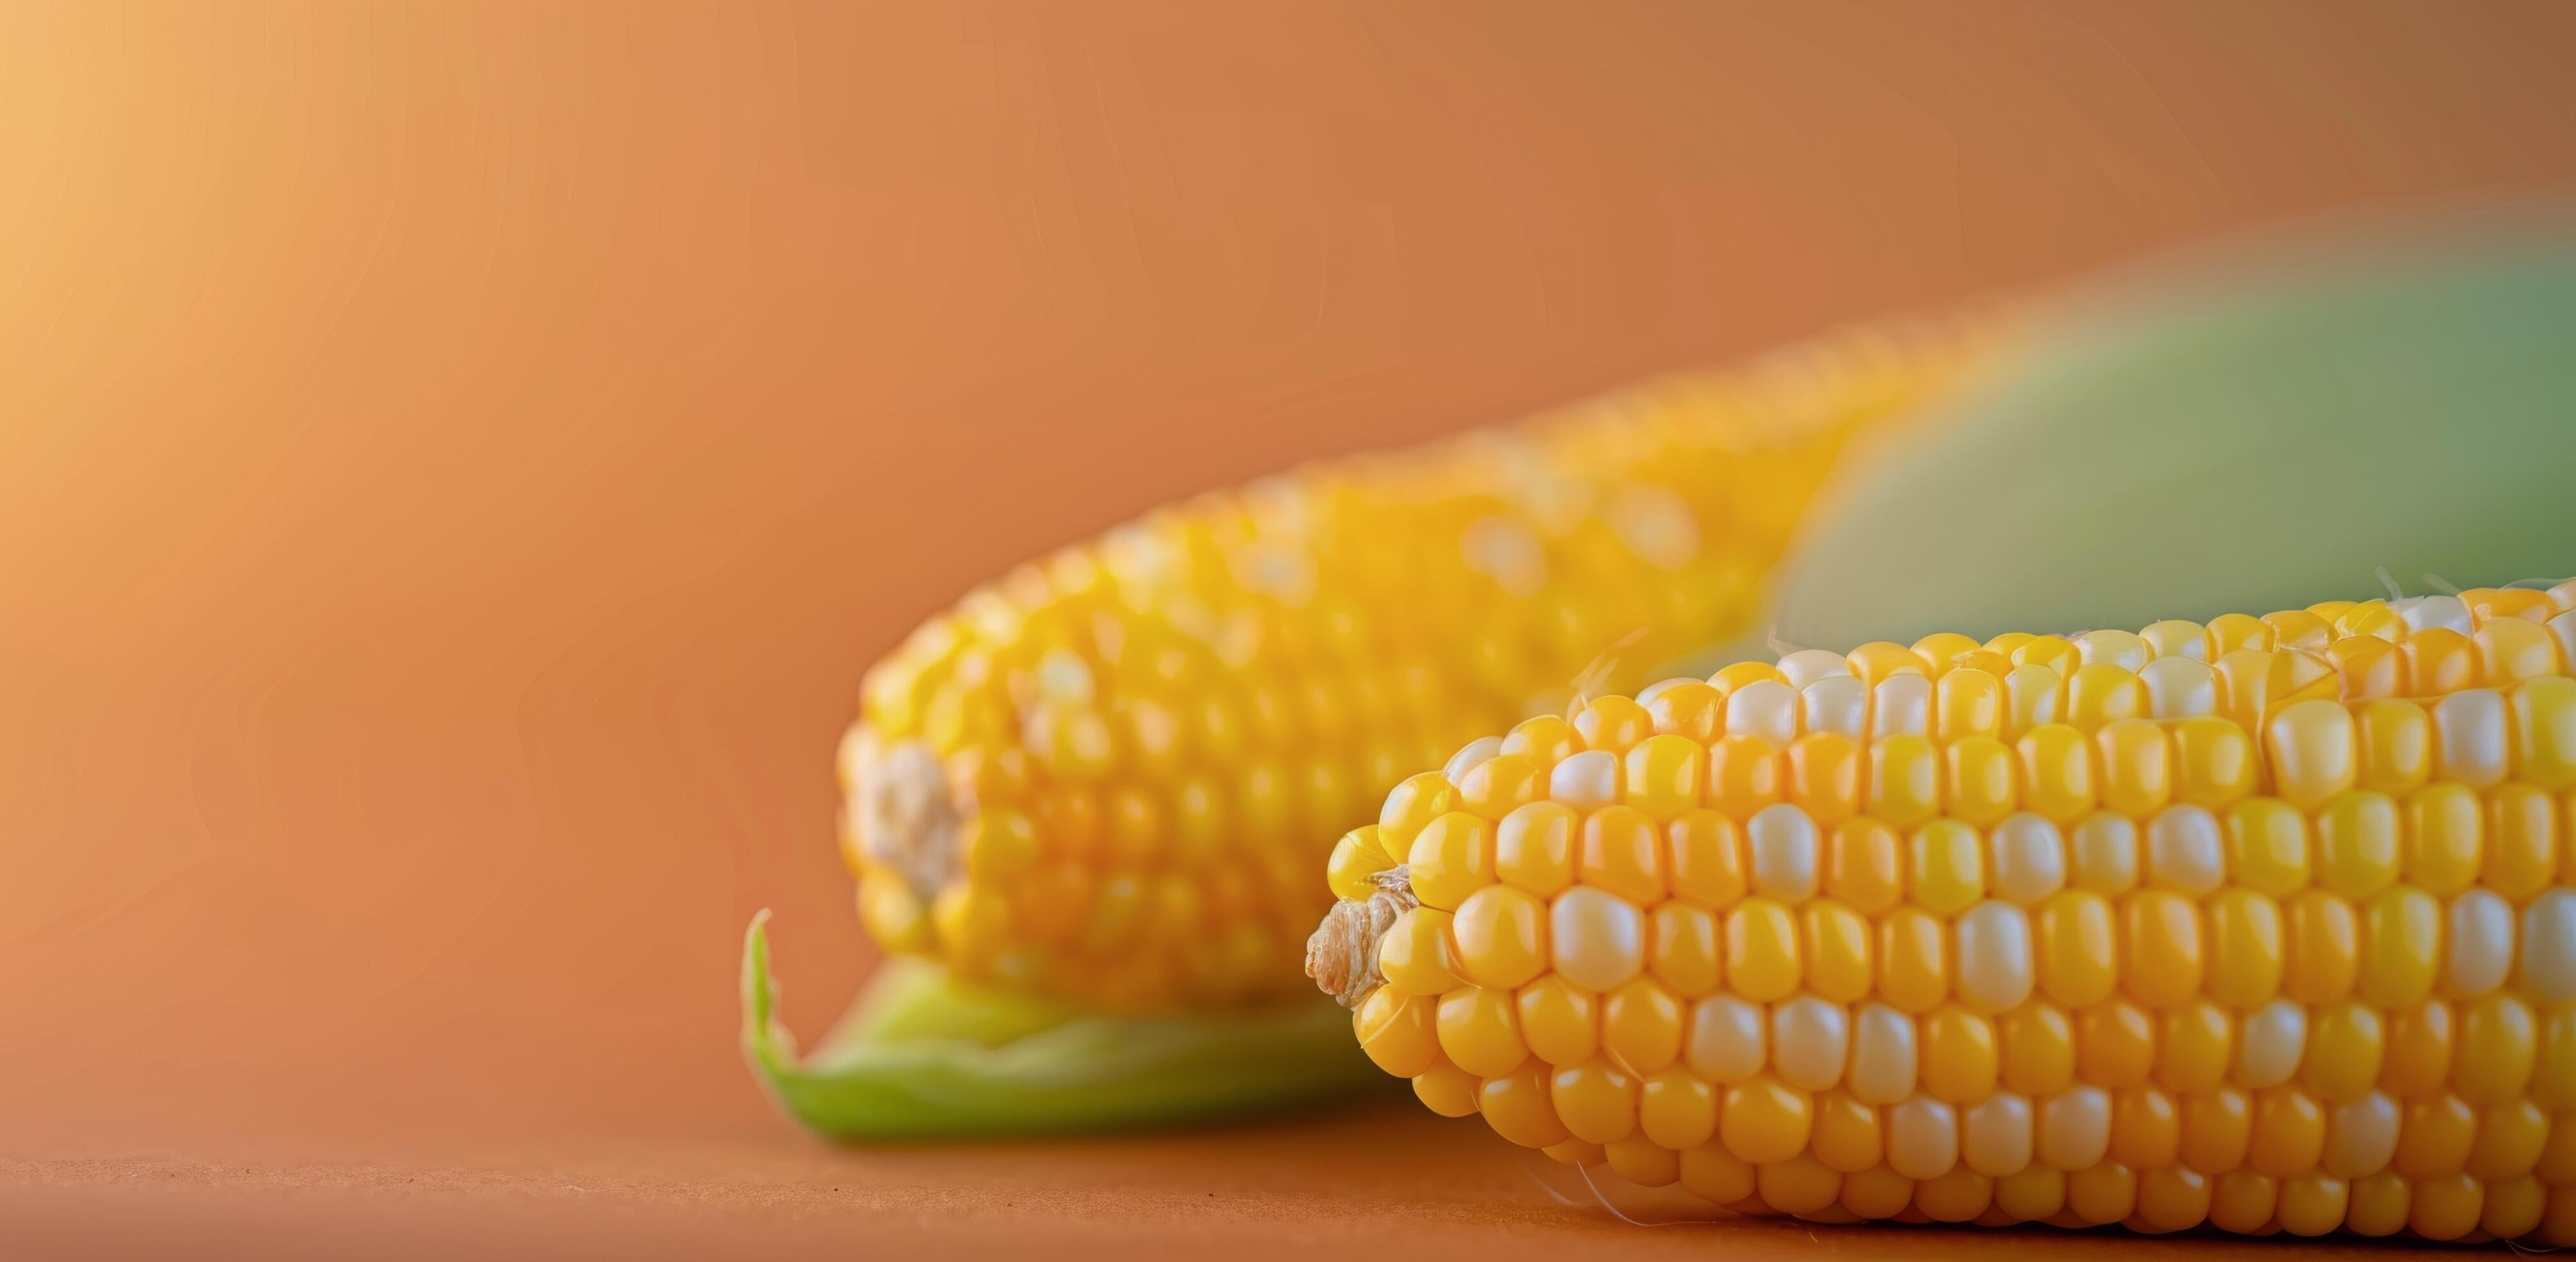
<point x="2265" y="923"/>
<point x="1101" y="778"/>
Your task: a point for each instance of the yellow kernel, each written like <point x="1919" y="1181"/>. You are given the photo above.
<point x="2321" y="948"/>
<point x="2514" y="1209"/>
<point x="1677" y="1110"/>
<point x="1613" y="723"/>
<point x="1399" y="1031"/>
<point x="2289" y="1133"/>
<point x="1712" y="1173"/>
<point x="1913" y="959"/>
<point x="1479" y="1031"/>
<point x="1763" y="1120"/>
<point x="1945" y="867"/>
<point x="1982" y="782"/>
<point x="1941" y="650"/>
<point x="1451" y="858"/>
<point x="2216" y="1129"/>
<point x="1596" y="1101"/>
<point x="2511" y="1137"/>
<point x="1845" y="1134"/>
<point x="2358" y="844"/>
<point x="1641" y="1026"/>
<point x="1447" y="1090"/>
<point x="1823" y="771"/>
<point x="2037" y="1046"/>
<point x="1559" y="1021"/>
<point x="2146" y="1128"/>
<point x="2401" y="941"/>
<point x="1744" y="775"/>
<point x="2229" y="633"/>
<point x="1762" y="950"/>
<point x="1904" y="779"/>
<point x="1864" y="865"/>
<point x="1836" y="945"/>
<point x="2055" y="652"/>
<point x="1518" y="1105"/>
<point x="1546" y="738"/>
<point x="1875" y="661"/>
<point x="2246" y="947"/>
<point x="1414" y="955"/>
<point x="1500" y="784"/>
<point x="2498" y="1045"/>
<point x="1967" y="702"/>
<point x="2193" y="1049"/>
<point x="1644" y="1162"/>
<point x="2396" y="745"/>
<point x="2267" y="846"/>
<point x="2115" y="1045"/>
<point x="1412" y="804"/>
<point x="2446" y="1208"/>
<point x="2418" y="1059"/>
<point x="1730" y="678"/>
<point x="2544" y="731"/>
<point x="2102" y="693"/>
<point x="1959" y="1196"/>
<point x="2443" y="845"/>
<point x="2035" y="1193"/>
<point x="1356" y="859"/>
<point x="2137" y="766"/>
<point x="1960" y="1061"/>
<point x="2346" y="1043"/>
<point x="2057" y="772"/>
<point x="1682" y="948"/>
<point x="2160" y="947"/>
<point x="1501" y="938"/>
<point x="2299" y="629"/>
<point x="1665" y="775"/>
<point x="2075" y="943"/>
<point x="2522" y="842"/>
<point x="2436" y="1136"/>
<point x="1621" y="851"/>
<point x="1705" y="858"/>
<point x="1689" y="708"/>
<point x="2213" y="762"/>
<point x="1534" y="848"/>
<point x="2104" y="1193"/>
<point x="2439" y="661"/>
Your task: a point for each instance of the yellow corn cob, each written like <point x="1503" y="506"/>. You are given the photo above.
<point x="2268" y="923"/>
<point x="1099" y="777"/>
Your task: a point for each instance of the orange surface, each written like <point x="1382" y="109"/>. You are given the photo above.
<point x="455" y="461"/>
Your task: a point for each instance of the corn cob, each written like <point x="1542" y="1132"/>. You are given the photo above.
<point x="1097" y="779"/>
<point x="2267" y="923"/>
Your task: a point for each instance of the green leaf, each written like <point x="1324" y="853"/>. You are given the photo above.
<point x="922" y="1055"/>
<point x="2247" y="434"/>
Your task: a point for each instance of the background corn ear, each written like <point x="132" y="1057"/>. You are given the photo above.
<point x="1102" y="777"/>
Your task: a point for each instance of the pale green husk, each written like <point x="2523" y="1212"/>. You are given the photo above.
<point x="2250" y="432"/>
<point x="921" y="1056"/>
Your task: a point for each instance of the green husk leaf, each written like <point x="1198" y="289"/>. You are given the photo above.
<point x="2256" y="431"/>
<point x="922" y="1055"/>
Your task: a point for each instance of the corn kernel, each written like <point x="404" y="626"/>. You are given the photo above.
<point x="1762" y="957"/>
<point x="1479" y="1032"/>
<point x="1501" y="938"/>
<point x="1762" y="1120"/>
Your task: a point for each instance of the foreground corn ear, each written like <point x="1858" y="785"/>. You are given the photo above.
<point x="2267" y="923"/>
<point x="1099" y="778"/>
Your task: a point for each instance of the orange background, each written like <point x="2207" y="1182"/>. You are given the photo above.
<point x="456" y="459"/>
